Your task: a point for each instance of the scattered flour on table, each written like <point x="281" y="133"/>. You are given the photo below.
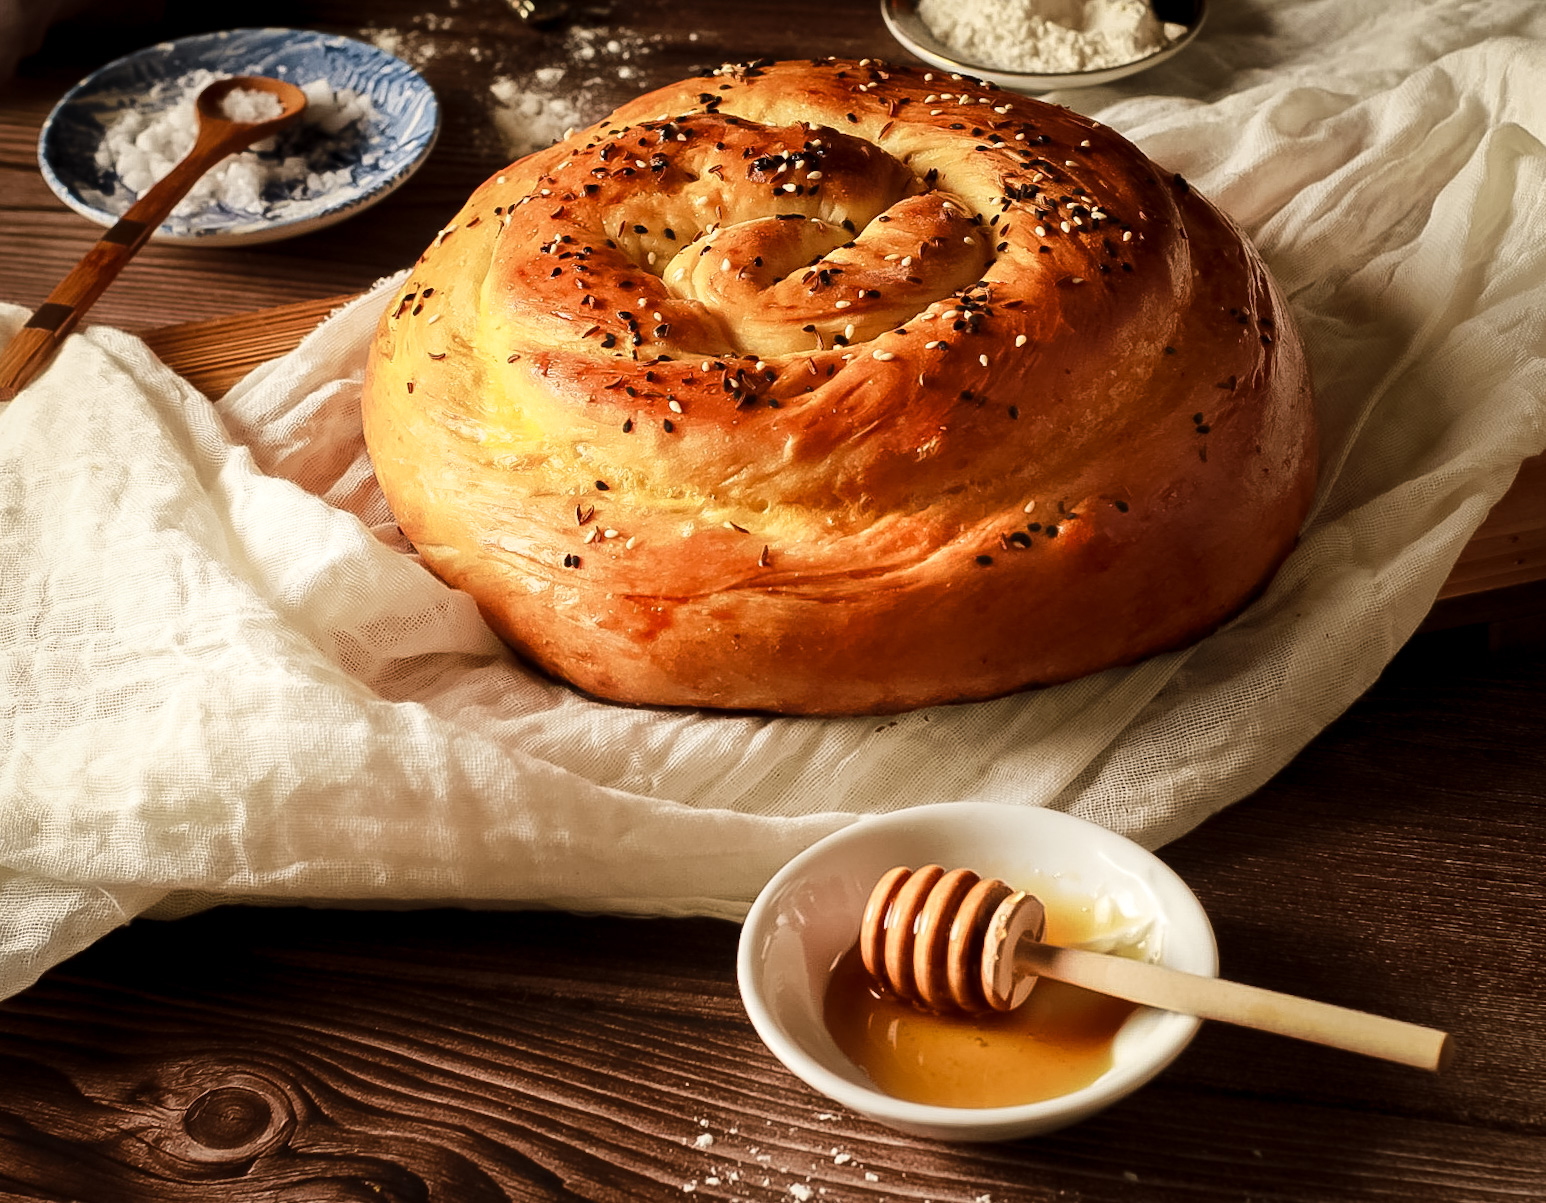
<point x="533" y="109"/>
<point x="416" y="49"/>
<point x="298" y="169"/>
<point x="532" y="115"/>
<point x="538" y="92"/>
<point x="1048" y="37"/>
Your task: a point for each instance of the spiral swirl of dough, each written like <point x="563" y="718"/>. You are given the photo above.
<point x="837" y="387"/>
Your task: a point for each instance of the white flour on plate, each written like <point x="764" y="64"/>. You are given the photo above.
<point x="300" y="166"/>
<point x="1048" y="37"/>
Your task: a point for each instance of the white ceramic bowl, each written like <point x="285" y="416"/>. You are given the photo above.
<point x="908" y="28"/>
<point x="808" y="916"/>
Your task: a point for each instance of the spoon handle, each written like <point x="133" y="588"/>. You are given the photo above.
<point x="1247" y="1006"/>
<point x="217" y="137"/>
<point x="36" y="342"/>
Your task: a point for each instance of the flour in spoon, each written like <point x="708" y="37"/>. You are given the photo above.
<point x="1048" y="37"/>
<point x="249" y="105"/>
<point x="300" y="167"/>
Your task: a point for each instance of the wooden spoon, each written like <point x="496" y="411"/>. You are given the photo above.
<point x="957" y="942"/>
<point x="218" y="137"/>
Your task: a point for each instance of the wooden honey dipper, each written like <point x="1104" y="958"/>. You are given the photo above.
<point x="957" y="942"/>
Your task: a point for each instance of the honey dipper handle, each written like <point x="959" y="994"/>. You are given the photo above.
<point x="1247" y="1006"/>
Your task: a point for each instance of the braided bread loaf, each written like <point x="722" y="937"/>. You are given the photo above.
<point x="834" y="387"/>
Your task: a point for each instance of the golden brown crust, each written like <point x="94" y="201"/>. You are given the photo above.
<point x="836" y="388"/>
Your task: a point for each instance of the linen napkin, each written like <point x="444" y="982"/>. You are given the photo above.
<point x="223" y="679"/>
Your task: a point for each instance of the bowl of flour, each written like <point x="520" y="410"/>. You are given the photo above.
<point x="1040" y="45"/>
<point x="370" y="121"/>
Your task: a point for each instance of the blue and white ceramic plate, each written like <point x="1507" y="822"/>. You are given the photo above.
<point x="367" y="160"/>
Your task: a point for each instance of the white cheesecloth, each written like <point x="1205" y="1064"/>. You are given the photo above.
<point x="217" y="684"/>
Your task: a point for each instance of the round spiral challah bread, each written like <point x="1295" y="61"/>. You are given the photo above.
<point x="836" y="387"/>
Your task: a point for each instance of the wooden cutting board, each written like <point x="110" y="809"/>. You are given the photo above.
<point x="214" y="355"/>
<point x="1501" y="574"/>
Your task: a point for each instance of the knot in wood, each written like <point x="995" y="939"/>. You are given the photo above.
<point x="230" y="1117"/>
<point x="236" y="1120"/>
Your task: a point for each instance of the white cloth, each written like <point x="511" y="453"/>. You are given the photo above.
<point x="217" y="683"/>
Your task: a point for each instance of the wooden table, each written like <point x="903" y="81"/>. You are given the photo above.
<point x="282" y="1054"/>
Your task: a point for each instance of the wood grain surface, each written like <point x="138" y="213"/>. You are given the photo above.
<point x="256" y="1054"/>
<point x="248" y="1055"/>
<point x="213" y="355"/>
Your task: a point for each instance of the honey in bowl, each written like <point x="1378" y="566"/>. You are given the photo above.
<point x="1058" y="1041"/>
